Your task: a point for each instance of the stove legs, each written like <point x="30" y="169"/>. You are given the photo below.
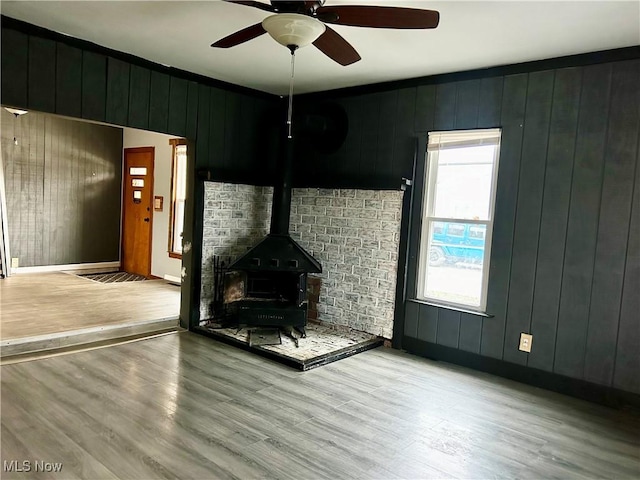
<point x="291" y="333"/>
<point x="302" y="331"/>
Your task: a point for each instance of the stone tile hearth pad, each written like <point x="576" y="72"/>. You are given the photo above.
<point x="323" y="344"/>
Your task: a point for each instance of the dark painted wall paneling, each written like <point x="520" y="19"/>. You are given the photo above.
<point x="582" y="228"/>
<point x="528" y="208"/>
<point x="94" y="86"/>
<point x="428" y="323"/>
<point x="467" y="102"/>
<point x="139" y="93"/>
<point x="42" y="74"/>
<point x="14" y="61"/>
<point x="69" y="81"/>
<point x="202" y="146"/>
<point x="192" y="110"/>
<point x="159" y="102"/>
<point x="117" y="110"/>
<point x="445" y="108"/>
<point x="233" y="109"/>
<point x="63" y="189"/>
<point x="612" y="251"/>
<point x="512" y="121"/>
<point x="490" y="102"/>
<point x="627" y="361"/>
<point x="129" y="91"/>
<point x="565" y="245"/>
<point x="555" y="212"/>
<point x="178" y="106"/>
<point x="403" y="141"/>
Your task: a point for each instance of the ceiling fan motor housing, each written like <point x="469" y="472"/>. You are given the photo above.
<point x="303" y="7"/>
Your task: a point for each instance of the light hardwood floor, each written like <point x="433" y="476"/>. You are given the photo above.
<point x="49" y="303"/>
<point x="185" y="406"/>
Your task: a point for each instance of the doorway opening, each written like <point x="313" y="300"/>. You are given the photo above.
<point x="67" y="185"/>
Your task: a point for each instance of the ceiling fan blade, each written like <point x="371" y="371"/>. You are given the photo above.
<point x="379" y="17"/>
<point x="336" y="48"/>
<point x="249" y="3"/>
<point x="240" y="36"/>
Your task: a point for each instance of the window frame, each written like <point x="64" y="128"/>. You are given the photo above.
<point x="428" y="217"/>
<point x="175" y="143"/>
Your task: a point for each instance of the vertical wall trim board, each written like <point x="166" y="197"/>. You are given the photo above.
<point x="403" y="255"/>
<point x="415" y="227"/>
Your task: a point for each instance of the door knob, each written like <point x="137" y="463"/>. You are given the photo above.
<point x="146" y="219"/>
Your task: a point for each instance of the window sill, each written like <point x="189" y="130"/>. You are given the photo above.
<point x="450" y="307"/>
<point x="175" y="255"/>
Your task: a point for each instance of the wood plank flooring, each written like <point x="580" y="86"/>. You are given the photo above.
<point x="47" y="303"/>
<point x="185" y="406"/>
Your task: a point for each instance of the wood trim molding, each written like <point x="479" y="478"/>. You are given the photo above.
<point x="174" y="142"/>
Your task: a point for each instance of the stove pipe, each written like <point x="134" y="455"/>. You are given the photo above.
<point x="281" y="204"/>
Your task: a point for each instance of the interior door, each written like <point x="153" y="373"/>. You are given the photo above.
<point x="137" y="211"/>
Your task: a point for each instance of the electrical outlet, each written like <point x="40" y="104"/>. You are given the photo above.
<point x="15" y="263"/>
<point x="525" y="342"/>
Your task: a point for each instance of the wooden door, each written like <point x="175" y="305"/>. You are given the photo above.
<point x="137" y="210"/>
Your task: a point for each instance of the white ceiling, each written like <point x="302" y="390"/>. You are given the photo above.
<point x="471" y="35"/>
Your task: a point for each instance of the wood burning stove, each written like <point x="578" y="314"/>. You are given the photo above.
<point x="271" y="279"/>
<point x="272" y="299"/>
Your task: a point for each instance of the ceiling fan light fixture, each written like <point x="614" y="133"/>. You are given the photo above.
<point x="293" y="29"/>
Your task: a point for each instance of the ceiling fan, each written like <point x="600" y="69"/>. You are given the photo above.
<point x="296" y="22"/>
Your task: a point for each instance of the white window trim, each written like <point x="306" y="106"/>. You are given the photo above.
<point x="480" y="136"/>
<point x="173" y="243"/>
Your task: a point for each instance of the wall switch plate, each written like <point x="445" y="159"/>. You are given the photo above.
<point x="525" y="342"/>
<point x="15" y="262"/>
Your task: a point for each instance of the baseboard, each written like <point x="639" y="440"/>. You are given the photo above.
<point x="98" y="267"/>
<point x="172" y="279"/>
<point x="592" y="392"/>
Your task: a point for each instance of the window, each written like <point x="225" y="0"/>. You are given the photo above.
<point x="178" y="196"/>
<point x="455" y="248"/>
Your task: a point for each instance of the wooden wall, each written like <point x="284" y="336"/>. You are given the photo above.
<point x="228" y="127"/>
<point x="62" y="184"/>
<point x="565" y="260"/>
